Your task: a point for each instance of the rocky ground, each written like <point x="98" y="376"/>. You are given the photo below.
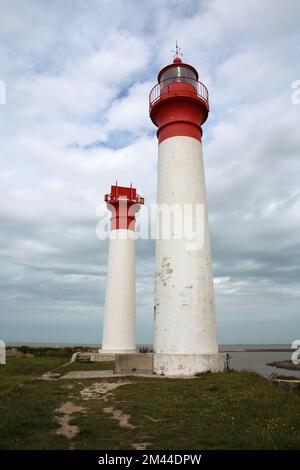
<point x="284" y="365"/>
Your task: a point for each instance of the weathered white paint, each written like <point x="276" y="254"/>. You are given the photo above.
<point x="119" y="310"/>
<point x="189" y="364"/>
<point x="2" y="352"/>
<point x="184" y="298"/>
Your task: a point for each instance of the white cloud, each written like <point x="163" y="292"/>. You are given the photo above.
<point x="131" y="112"/>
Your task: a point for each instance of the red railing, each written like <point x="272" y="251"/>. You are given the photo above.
<point x="162" y="89"/>
<point x="111" y="199"/>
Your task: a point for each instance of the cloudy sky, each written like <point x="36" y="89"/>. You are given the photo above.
<point x="77" y="77"/>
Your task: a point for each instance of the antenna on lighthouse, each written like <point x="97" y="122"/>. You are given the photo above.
<point x="177" y="51"/>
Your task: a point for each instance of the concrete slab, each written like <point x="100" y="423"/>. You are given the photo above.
<point x="92" y="357"/>
<point x="88" y="374"/>
<point x="140" y="363"/>
<point x="103" y="357"/>
<point x="105" y="374"/>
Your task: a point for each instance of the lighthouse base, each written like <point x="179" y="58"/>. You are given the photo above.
<point x="188" y="364"/>
<point x="117" y="351"/>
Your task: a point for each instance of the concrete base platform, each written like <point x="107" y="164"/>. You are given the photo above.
<point x="109" y="374"/>
<point x="188" y="364"/>
<point x="115" y="351"/>
<point x="89" y="374"/>
<point x="92" y="357"/>
<point x="140" y="363"/>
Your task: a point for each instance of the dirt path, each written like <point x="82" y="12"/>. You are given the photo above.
<point x="63" y="416"/>
<point x="97" y="391"/>
<point x="119" y="416"/>
<point x="101" y="389"/>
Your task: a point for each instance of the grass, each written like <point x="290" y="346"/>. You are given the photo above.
<point x="237" y="410"/>
<point x="18" y="371"/>
<point x="26" y="404"/>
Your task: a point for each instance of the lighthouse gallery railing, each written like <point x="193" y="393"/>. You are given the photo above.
<point x="162" y="88"/>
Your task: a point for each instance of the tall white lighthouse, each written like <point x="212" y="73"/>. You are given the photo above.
<point x="119" y="310"/>
<point x="185" y="339"/>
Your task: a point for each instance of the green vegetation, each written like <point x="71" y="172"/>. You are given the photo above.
<point x="18" y="371"/>
<point x="237" y="410"/>
<point x="47" y="351"/>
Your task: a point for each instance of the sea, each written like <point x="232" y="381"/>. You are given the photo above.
<point x="251" y="357"/>
<point x="256" y="357"/>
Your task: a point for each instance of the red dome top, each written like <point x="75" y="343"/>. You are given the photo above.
<point x="177" y="60"/>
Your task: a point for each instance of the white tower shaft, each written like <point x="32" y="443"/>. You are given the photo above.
<point x="184" y="287"/>
<point x="185" y="330"/>
<point x="119" y="310"/>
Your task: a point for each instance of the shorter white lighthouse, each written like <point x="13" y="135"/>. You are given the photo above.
<point x="119" y="310"/>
